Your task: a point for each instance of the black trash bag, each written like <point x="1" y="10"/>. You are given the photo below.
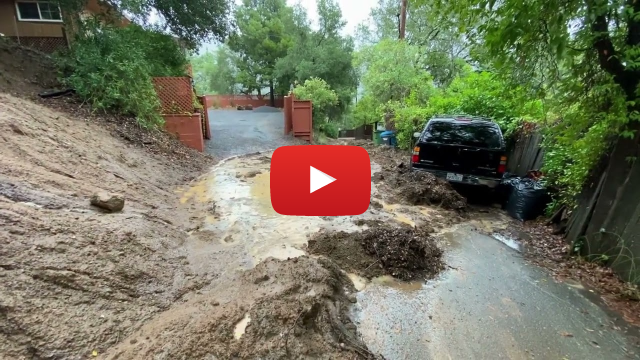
<point x="528" y="199"/>
<point x="504" y="189"/>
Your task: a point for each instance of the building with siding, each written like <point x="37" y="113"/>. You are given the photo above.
<point x="40" y="25"/>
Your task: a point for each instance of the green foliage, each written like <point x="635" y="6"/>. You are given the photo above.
<point x="321" y="95"/>
<point x="579" y="57"/>
<point x="388" y="79"/>
<point x="192" y="21"/>
<point x="322" y="53"/>
<point x="204" y="66"/>
<point x="330" y="129"/>
<point x="215" y="72"/>
<point x="367" y="111"/>
<point x="260" y="40"/>
<point x="111" y="68"/>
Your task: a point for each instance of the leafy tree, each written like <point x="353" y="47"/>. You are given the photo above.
<point x="324" y="54"/>
<point x="259" y="41"/>
<point x="443" y="50"/>
<point x="224" y="78"/>
<point x="190" y="20"/>
<point x="204" y="67"/>
<point x="582" y="56"/>
<point x="388" y="79"/>
<point x="320" y="93"/>
<point x="323" y="99"/>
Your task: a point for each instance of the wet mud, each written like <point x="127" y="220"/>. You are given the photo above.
<point x="402" y="252"/>
<point x="401" y="185"/>
<point x="295" y="308"/>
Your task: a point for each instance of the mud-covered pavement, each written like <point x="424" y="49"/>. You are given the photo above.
<point x="487" y="303"/>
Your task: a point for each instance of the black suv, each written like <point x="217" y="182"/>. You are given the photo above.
<point x="461" y="149"/>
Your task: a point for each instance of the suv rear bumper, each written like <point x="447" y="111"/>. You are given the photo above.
<point x="466" y="179"/>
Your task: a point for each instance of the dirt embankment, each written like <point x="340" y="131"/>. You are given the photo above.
<point x="74" y="279"/>
<point x="279" y="310"/>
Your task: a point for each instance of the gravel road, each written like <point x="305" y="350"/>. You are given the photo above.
<point x="236" y="132"/>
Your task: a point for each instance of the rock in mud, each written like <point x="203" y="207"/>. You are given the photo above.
<point x="109" y="202"/>
<point x="404" y="253"/>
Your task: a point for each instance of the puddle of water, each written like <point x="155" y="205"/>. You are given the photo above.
<point x="241" y="326"/>
<point x="394" y="209"/>
<point x="394" y="283"/>
<point x="509" y="242"/>
<point x="261" y="192"/>
<point x="358" y="281"/>
<point x="198" y="192"/>
<point x="386" y="281"/>
<point x="244" y="219"/>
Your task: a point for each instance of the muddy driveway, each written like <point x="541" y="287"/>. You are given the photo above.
<point x="236" y="132"/>
<point x="487" y="303"/>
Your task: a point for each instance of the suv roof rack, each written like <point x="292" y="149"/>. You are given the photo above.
<point x="472" y="117"/>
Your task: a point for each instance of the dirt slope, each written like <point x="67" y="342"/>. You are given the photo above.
<point x="73" y="279"/>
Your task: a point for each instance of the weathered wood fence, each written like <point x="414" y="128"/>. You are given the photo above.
<point x="606" y="223"/>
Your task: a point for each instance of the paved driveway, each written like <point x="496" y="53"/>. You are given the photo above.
<point x="236" y="132"/>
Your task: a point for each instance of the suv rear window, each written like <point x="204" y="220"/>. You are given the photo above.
<point x="479" y="134"/>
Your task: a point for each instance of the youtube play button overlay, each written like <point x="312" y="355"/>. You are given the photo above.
<point x="320" y="180"/>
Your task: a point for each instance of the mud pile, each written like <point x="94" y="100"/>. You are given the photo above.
<point x="401" y="252"/>
<point x="279" y="310"/>
<point x="419" y="188"/>
<point x="401" y="185"/>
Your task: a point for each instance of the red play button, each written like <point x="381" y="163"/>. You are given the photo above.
<point x="320" y="180"/>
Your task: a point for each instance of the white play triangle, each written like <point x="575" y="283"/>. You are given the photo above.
<point x="318" y="179"/>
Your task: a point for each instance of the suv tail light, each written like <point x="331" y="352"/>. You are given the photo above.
<point x="415" y="156"/>
<point x="503" y="165"/>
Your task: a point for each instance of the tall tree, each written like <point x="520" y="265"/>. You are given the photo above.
<point x="224" y="78"/>
<point x="323" y="53"/>
<point x="203" y="66"/>
<point x="260" y="40"/>
<point x="443" y="49"/>
<point x="190" y="20"/>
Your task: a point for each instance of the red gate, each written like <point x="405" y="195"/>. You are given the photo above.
<point x="298" y="116"/>
<point x="302" y="119"/>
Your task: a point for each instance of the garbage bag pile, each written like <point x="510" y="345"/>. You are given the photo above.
<point x="524" y="198"/>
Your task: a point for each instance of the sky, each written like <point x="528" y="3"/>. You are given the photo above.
<point x="354" y="12"/>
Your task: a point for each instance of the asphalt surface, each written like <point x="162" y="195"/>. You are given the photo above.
<point x="235" y="132"/>
<point x="491" y="304"/>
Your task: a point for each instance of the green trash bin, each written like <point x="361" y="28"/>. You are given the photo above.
<point x="377" y="137"/>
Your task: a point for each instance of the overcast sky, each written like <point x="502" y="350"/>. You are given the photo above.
<point x="353" y="11"/>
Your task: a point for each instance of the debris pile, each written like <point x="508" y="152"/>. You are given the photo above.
<point x="404" y="253"/>
<point x="408" y="187"/>
<point x="420" y="188"/>
<point x="278" y="310"/>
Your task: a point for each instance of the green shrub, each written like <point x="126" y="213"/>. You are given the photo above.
<point x="321" y="95"/>
<point x="111" y="68"/>
<point x="330" y="129"/>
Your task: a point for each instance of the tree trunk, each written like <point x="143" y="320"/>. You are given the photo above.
<point x="272" y="97"/>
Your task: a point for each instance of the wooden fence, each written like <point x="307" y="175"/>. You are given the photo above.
<point x="606" y="222"/>
<point x="526" y="153"/>
<point x="363" y="132"/>
<point x="180" y="115"/>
